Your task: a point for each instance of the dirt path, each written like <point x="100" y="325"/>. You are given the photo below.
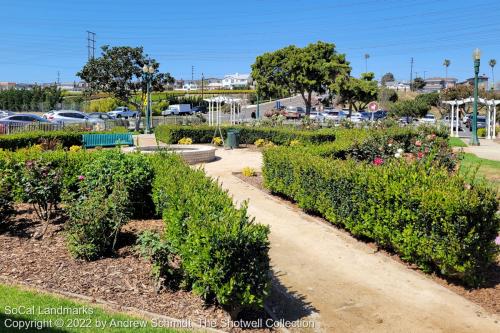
<point x="342" y="284"/>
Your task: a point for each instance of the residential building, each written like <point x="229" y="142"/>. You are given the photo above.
<point x="482" y="82"/>
<point x="434" y="84"/>
<point x="398" y="85"/>
<point x="7" y="85"/>
<point x="234" y="81"/>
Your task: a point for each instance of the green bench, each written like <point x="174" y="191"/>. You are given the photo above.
<point x="107" y="140"/>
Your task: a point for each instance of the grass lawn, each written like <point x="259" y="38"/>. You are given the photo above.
<point x="457" y="142"/>
<point x="23" y="301"/>
<point x="488" y="169"/>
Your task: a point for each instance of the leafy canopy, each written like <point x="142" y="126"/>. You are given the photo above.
<point x="303" y="71"/>
<point x="410" y="108"/>
<point x="357" y="92"/>
<point x="388" y="77"/>
<point x="118" y="71"/>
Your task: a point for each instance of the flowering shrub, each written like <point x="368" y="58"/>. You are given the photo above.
<point x="217" y="141"/>
<point x="42" y="183"/>
<point x="248" y="172"/>
<point x="295" y="143"/>
<point x="75" y="148"/>
<point x="6" y="197"/>
<point x="185" y="141"/>
<point x="260" y="143"/>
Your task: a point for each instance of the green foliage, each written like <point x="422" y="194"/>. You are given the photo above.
<point x="101" y="105"/>
<point x="410" y="108"/>
<point x="35" y="99"/>
<point x="431" y="99"/>
<point x="42" y="183"/>
<point x="386" y="96"/>
<point x="94" y="220"/>
<point x="388" y="77"/>
<point x="280" y="136"/>
<point x="119" y="73"/>
<point x="151" y="246"/>
<point x="426" y="214"/>
<point x="418" y="83"/>
<point x="6" y="196"/>
<point x="299" y="70"/>
<point x="223" y="254"/>
<point x="356" y="92"/>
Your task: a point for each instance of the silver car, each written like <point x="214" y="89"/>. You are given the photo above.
<point x="19" y="121"/>
<point x="70" y="117"/>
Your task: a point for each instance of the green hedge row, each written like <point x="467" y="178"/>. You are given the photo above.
<point x="224" y="255"/>
<point x="427" y="215"/>
<point x="65" y="138"/>
<point x="248" y="135"/>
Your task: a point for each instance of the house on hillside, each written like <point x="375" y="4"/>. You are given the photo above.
<point x="235" y="81"/>
<point x="434" y="84"/>
<point x="482" y="80"/>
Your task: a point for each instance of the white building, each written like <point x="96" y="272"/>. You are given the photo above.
<point x="190" y="86"/>
<point x="233" y="81"/>
<point x="398" y="85"/>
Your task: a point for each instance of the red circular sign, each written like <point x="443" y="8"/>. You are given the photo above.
<point x="373" y="106"/>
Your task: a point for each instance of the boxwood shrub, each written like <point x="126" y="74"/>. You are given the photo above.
<point x="224" y="255"/>
<point x="430" y="217"/>
<point x="278" y="135"/>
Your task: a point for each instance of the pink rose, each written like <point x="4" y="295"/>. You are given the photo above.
<point x="378" y="161"/>
<point x="80" y="178"/>
<point x="418" y="143"/>
<point x="420" y="154"/>
<point x="497" y="240"/>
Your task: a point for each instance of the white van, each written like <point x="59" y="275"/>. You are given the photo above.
<point x="177" y="109"/>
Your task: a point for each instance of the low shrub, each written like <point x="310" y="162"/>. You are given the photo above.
<point x="481" y="132"/>
<point x="248" y="172"/>
<point x="223" y="254"/>
<point x="429" y="216"/>
<point x="94" y="220"/>
<point x="259" y="143"/>
<point x="185" y="141"/>
<point x="217" y="141"/>
<point x="6" y="197"/>
<point x="22" y="140"/>
<point x="248" y="135"/>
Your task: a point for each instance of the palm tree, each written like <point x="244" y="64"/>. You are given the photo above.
<point x="446" y="64"/>
<point x="493" y="62"/>
<point x="366" y="62"/>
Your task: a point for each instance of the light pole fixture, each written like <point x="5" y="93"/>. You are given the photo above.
<point x="474" y="141"/>
<point x="148" y="73"/>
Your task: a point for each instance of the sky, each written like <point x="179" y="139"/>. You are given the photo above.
<point x="40" y="38"/>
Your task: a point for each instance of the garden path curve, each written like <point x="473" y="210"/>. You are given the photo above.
<point x="348" y="286"/>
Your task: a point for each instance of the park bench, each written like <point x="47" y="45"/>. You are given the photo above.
<point x="107" y="140"/>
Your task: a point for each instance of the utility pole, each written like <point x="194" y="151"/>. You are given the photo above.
<point x="202" y="85"/>
<point x="58" y="78"/>
<point x="192" y="74"/>
<point x="90" y="44"/>
<point x="411" y="75"/>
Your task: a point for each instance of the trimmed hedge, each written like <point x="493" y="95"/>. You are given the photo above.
<point x="224" y="255"/>
<point x="427" y="215"/>
<point x="278" y="135"/>
<point x="66" y="138"/>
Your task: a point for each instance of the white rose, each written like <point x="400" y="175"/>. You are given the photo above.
<point x="400" y="151"/>
<point x="397" y="155"/>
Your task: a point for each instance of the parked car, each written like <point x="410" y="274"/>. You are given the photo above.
<point x="70" y="117"/>
<point x="294" y="112"/>
<point x="481" y="122"/>
<point x="20" y="119"/>
<point x="446" y="121"/>
<point x="199" y="109"/>
<point x="406" y="120"/>
<point x="100" y="115"/>
<point x="333" y="114"/>
<point x="377" y="115"/>
<point x="177" y="110"/>
<point x="356" y="117"/>
<point x="428" y="119"/>
<point x="123" y="112"/>
<point x="317" y="116"/>
<point x="4" y="113"/>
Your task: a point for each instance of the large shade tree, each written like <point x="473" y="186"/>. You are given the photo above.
<point x="304" y="71"/>
<point x="119" y="72"/>
<point x="356" y="93"/>
<point x="388" y="77"/>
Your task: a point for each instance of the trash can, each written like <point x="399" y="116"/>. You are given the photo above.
<point x="232" y="140"/>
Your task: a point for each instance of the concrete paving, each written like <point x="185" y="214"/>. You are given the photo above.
<point x="487" y="149"/>
<point x="325" y="277"/>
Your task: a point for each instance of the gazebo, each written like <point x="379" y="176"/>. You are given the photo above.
<point x="491" y="115"/>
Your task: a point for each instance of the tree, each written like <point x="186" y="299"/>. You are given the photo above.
<point x="410" y="108"/>
<point x="118" y="72"/>
<point x="493" y="63"/>
<point x="357" y="92"/>
<point x="303" y="71"/>
<point x="387" y="96"/>
<point x="446" y="64"/>
<point x="388" y="77"/>
<point x="418" y="83"/>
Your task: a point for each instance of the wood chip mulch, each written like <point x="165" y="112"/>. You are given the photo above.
<point x="487" y="296"/>
<point x="123" y="279"/>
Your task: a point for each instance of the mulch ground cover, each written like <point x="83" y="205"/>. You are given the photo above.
<point x="487" y="296"/>
<point x="123" y="279"/>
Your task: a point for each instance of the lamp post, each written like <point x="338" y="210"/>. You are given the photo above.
<point x="148" y="73"/>
<point x="474" y="141"/>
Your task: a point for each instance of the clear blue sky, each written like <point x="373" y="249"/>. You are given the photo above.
<point x="41" y="37"/>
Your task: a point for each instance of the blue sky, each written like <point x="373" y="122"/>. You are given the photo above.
<point x="41" y="37"/>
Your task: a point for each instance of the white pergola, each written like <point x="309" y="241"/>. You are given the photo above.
<point x="491" y="114"/>
<point x="215" y="109"/>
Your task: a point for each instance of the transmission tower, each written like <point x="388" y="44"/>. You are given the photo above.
<point x="91" y="44"/>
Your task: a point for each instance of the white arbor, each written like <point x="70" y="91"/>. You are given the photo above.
<point x="215" y="110"/>
<point x="491" y="114"/>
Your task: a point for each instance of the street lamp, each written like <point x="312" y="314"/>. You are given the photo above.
<point x="148" y="73"/>
<point x="474" y="141"/>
